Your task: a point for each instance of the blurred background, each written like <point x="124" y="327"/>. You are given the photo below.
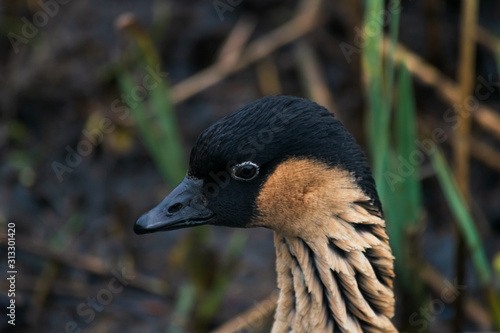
<point x="101" y="101"/>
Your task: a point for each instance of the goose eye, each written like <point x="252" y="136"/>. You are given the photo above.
<point x="245" y="171"/>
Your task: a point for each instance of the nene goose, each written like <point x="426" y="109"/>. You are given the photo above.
<point x="287" y="164"/>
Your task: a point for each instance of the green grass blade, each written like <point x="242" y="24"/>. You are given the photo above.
<point x="402" y="203"/>
<point x="406" y="138"/>
<point x="395" y="11"/>
<point x="150" y="133"/>
<point x="372" y="69"/>
<point x="469" y="232"/>
<point x="379" y="84"/>
<point x="158" y="127"/>
<point x="404" y="193"/>
<point x="170" y="139"/>
<point x="463" y="218"/>
<point x="185" y="302"/>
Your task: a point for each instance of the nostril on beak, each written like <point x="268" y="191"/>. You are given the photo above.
<point x="175" y="208"/>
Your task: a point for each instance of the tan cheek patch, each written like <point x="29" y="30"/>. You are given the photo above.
<point x="302" y="194"/>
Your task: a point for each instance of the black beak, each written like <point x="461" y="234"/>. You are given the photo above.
<point x="183" y="207"/>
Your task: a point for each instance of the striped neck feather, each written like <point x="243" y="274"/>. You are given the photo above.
<point x="341" y="282"/>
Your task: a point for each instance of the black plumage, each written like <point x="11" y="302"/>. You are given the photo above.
<point x="269" y="131"/>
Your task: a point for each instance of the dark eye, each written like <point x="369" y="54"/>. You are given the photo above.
<point x="245" y="171"/>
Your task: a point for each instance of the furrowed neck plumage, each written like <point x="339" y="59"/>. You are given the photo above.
<point x="334" y="263"/>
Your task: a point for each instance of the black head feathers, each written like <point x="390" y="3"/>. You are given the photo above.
<point x="233" y="159"/>
<point x="274" y="128"/>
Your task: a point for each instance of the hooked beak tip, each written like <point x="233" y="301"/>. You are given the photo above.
<point x="141" y="226"/>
